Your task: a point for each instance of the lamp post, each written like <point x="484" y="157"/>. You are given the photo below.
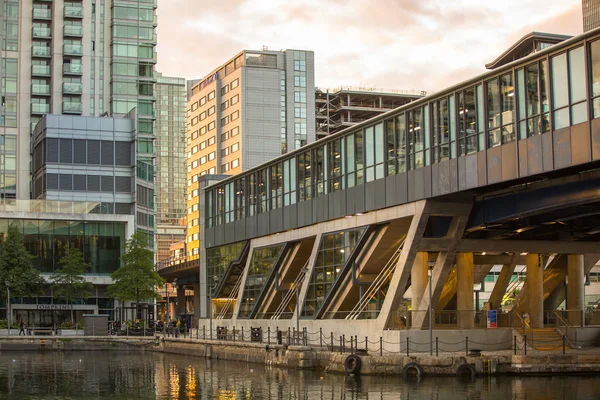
<point x="9" y="316"/>
<point x="430" y="263"/>
<point x="210" y="305"/>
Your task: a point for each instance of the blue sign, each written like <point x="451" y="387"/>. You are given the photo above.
<point x="492" y="319"/>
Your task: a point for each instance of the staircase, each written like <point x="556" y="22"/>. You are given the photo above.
<point x="544" y="339"/>
<point x="232" y="297"/>
<point x="291" y="293"/>
<point x="382" y="278"/>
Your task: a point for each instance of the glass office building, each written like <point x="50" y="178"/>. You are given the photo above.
<point x="591" y="14"/>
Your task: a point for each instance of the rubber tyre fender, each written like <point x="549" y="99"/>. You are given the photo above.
<point x="466" y="370"/>
<point x="412" y="366"/>
<point x="352" y="364"/>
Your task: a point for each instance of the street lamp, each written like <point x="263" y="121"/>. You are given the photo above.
<point x="7" y="283"/>
<point x="168" y="301"/>
<point x="210" y="305"/>
<point x="430" y="263"/>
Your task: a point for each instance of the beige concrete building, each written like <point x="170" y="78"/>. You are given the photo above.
<point x="253" y="108"/>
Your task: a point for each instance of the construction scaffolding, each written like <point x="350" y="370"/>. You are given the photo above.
<point x="346" y="106"/>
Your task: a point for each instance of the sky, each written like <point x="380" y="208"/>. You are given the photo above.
<point x="388" y="44"/>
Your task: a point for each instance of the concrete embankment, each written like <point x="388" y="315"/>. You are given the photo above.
<point x="304" y="357"/>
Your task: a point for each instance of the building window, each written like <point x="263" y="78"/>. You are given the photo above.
<point x="211" y="95"/>
<point x="467" y="122"/>
<point x="234" y="99"/>
<point x="235" y="163"/>
<point x="533" y="100"/>
<point x="235" y="83"/>
<point x="334" y="252"/>
<point x="235" y="147"/>
<point x="500" y="97"/>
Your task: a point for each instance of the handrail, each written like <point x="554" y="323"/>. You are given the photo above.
<point x="379" y="281"/>
<point x="568" y="326"/>
<point x="524" y="324"/>
<point x="232" y="296"/>
<point x="290" y="293"/>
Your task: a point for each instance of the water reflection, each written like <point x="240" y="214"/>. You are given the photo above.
<point x="116" y="375"/>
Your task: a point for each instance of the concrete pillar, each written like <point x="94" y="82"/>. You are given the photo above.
<point x="181" y="308"/>
<point x="464" y="290"/>
<point x="535" y="290"/>
<point x="419" y="280"/>
<point x="196" y="287"/>
<point x="575" y="289"/>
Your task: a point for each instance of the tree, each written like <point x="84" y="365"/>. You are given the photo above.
<point x="136" y="280"/>
<point x="16" y="268"/>
<point x="68" y="282"/>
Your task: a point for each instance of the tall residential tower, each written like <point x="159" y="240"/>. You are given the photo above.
<point x="171" y="95"/>
<point x="86" y="57"/>
<point x="591" y="14"/>
<point x="255" y="107"/>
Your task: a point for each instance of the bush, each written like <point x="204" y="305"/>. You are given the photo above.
<point x="66" y="325"/>
<point x="80" y="324"/>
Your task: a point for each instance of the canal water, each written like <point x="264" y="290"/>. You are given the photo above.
<point x="145" y="375"/>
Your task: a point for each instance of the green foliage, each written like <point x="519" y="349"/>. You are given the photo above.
<point x="68" y="282"/>
<point x="4" y="324"/>
<point x="16" y="267"/>
<point x="136" y="280"/>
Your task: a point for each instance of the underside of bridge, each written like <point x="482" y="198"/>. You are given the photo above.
<point x="373" y="271"/>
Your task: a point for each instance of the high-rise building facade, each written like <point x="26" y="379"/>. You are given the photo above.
<point x="591" y="14"/>
<point x="171" y="96"/>
<point x="86" y="57"/>
<point x="255" y="107"/>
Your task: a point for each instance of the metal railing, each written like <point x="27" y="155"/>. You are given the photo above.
<point x="567" y="330"/>
<point x="386" y="272"/>
<point x="291" y="293"/>
<point x="225" y="310"/>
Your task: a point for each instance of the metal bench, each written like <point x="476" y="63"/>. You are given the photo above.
<point x="40" y="331"/>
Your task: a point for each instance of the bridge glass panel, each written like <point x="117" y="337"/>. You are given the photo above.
<point x="595" y="76"/>
<point x="560" y="91"/>
<point x="334" y="251"/>
<point x="577" y="91"/>
<point x="304" y="176"/>
<point x="416" y="140"/>
<point x="390" y="146"/>
<point x="441" y="131"/>
<point x="467" y="122"/>
<point x="336" y="157"/>
<point x="351" y="160"/>
<point x="481" y="120"/>
<point x="261" y="267"/>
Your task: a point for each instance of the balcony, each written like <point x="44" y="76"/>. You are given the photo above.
<point x="41" y="32"/>
<point x="40" y="70"/>
<point x="39" y="89"/>
<point x="70" y="107"/>
<point x="72" y="88"/>
<point x="40" y="108"/>
<point x="42" y="13"/>
<point x="72" y="50"/>
<point x="73" y="30"/>
<point x="40" y="51"/>
<point x="73" y="12"/>
<point x="72" y="69"/>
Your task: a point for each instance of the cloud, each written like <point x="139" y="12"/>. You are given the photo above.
<point x="395" y="44"/>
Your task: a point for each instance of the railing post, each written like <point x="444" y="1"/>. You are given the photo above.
<point x="331" y="342"/>
<point x="380" y="346"/>
<point x="407" y="347"/>
<point x="294" y="336"/>
<point x="466" y="346"/>
<point x="344" y="344"/>
<point x="203" y="332"/>
<point x="564" y="344"/>
<point x="351" y="345"/>
<point x="340" y="345"/>
<point x="321" y="337"/>
<point x="234" y="334"/>
<point x="367" y="344"/>
<point x="268" y="335"/>
<point x="436" y="346"/>
<point x="515" y="345"/>
<point x="288" y="336"/>
<point x="525" y="344"/>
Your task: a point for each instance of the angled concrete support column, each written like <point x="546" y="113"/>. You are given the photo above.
<point x="419" y="279"/>
<point x="181" y="308"/>
<point x="575" y="290"/>
<point x="464" y="290"/>
<point x="501" y="285"/>
<point x="535" y="290"/>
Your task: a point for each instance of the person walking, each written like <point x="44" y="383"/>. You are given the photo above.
<point x="22" y="326"/>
